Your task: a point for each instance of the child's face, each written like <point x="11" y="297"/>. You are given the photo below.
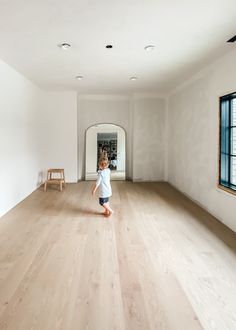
<point x="103" y="165"/>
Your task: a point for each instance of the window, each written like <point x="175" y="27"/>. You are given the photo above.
<point x="227" y="177"/>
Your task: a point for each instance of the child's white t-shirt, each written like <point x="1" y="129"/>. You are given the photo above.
<point x="103" y="182"/>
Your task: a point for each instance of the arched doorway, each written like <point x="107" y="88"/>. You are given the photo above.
<point x="109" y="139"/>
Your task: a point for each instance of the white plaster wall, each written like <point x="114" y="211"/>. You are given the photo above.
<point x="38" y="130"/>
<point x="59" y="132"/>
<point x="144" y="120"/>
<point x="149" y="140"/>
<point x="97" y="109"/>
<point x="193" y="135"/>
<point x="91" y="151"/>
<point x="20" y="137"/>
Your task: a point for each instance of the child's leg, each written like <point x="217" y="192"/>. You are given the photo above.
<point x="107" y="208"/>
<point x="106" y="212"/>
<point x="101" y="202"/>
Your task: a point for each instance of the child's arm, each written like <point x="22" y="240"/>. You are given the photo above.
<point x="94" y="189"/>
<point x="97" y="184"/>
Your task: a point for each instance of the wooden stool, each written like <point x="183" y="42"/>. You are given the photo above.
<point x="60" y="180"/>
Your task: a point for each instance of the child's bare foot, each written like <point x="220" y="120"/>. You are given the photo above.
<point x="111" y="212"/>
<point x="106" y="213"/>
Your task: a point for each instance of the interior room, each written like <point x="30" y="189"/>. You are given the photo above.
<point x="117" y="165"/>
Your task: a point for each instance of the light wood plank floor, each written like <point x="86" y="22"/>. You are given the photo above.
<point x="160" y="262"/>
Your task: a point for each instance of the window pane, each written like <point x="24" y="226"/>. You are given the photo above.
<point x="233" y="112"/>
<point x="224" y="175"/>
<point x="233" y="141"/>
<point x="224" y="161"/>
<point x="225" y="127"/>
<point x="233" y="170"/>
<point x="228" y="141"/>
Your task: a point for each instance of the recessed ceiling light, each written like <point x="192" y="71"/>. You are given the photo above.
<point x="109" y="46"/>
<point x="149" y="48"/>
<point x="79" y="77"/>
<point x="65" y="46"/>
<point x="133" y="78"/>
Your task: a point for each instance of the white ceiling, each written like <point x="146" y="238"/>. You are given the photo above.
<point x="187" y="34"/>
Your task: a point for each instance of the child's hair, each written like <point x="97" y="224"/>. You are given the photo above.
<point x="103" y="160"/>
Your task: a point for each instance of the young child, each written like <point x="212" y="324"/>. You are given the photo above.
<point x="103" y="183"/>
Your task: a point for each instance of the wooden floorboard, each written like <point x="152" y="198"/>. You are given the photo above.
<point x="160" y="262"/>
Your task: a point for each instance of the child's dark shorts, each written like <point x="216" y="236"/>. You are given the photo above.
<point x="103" y="200"/>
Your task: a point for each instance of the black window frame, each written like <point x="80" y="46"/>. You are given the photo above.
<point x="225" y="143"/>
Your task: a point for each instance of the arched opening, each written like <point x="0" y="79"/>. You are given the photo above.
<point x="106" y="139"/>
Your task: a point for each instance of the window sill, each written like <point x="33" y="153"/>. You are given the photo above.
<point x="228" y="190"/>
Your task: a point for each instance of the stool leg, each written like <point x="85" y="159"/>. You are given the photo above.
<point x="64" y="178"/>
<point x="45" y="186"/>
<point x="60" y="185"/>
